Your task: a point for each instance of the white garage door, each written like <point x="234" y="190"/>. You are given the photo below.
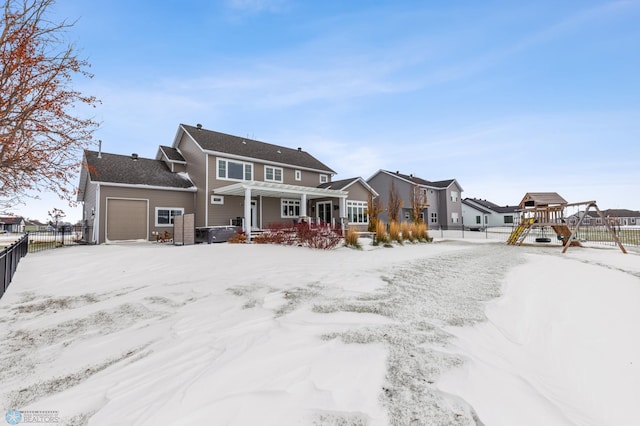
<point x="126" y="220"/>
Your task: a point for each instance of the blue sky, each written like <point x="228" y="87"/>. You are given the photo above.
<point x="506" y="97"/>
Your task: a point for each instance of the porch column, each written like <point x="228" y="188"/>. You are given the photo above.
<point x="247" y="213"/>
<point x="343" y="213"/>
<point x="303" y="205"/>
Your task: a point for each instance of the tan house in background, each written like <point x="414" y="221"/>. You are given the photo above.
<point x="224" y="180"/>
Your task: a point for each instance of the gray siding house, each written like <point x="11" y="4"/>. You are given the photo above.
<point x="443" y="198"/>
<point x="478" y="213"/>
<point x="222" y="179"/>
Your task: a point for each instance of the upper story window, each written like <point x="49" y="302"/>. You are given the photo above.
<point x="298" y="174"/>
<point x="272" y="174"/>
<point x="324" y="178"/>
<point x="234" y="170"/>
<point x="454" y="196"/>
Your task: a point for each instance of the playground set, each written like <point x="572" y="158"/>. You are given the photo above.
<point x="547" y="210"/>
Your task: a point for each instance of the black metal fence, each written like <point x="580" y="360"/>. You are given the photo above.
<point x="598" y="235"/>
<point x="9" y="259"/>
<point x="67" y="236"/>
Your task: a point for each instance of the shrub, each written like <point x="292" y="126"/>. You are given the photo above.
<point x="351" y="238"/>
<point x="408" y="231"/>
<point x="318" y="238"/>
<point x="394" y="232"/>
<point x="381" y="233"/>
<point x="423" y="233"/>
<point x="239" y="238"/>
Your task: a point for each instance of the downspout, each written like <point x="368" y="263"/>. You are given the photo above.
<point x="96" y="217"/>
<point x="206" y="192"/>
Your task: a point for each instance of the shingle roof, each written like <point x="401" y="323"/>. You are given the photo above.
<point x="172" y="154"/>
<point x="11" y="220"/>
<point x="210" y="140"/>
<point x="621" y="213"/>
<point x="123" y="169"/>
<point x="337" y="184"/>
<point x="475" y="206"/>
<point x="492" y="206"/>
<point x="420" y="181"/>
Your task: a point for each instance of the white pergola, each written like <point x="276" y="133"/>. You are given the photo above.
<point x="280" y="190"/>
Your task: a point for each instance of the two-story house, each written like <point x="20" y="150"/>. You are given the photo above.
<point x="222" y="179"/>
<point x="443" y="207"/>
<point x="479" y="213"/>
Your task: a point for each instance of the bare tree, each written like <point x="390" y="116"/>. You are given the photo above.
<point x="41" y="140"/>
<point x="418" y="199"/>
<point x="394" y="203"/>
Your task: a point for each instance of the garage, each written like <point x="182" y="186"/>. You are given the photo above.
<point x="127" y="219"/>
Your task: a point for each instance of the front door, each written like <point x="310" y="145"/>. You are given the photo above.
<point x="254" y="221"/>
<point x="324" y="211"/>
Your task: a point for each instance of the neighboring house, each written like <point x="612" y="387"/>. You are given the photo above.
<point x="223" y="179"/>
<point x="443" y="198"/>
<point x="35" y="226"/>
<point x="12" y="224"/>
<point x="616" y="217"/>
<point x="478" y="213"/>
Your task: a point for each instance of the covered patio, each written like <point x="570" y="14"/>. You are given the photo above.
<point x="259" y="189"/>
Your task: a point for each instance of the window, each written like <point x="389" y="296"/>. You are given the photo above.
<point x="407" y="216"/>
<point x="298" y="175"/>
<point x="454" y="196"/>
<point x="272" y="174"/>
<point x="290" y="208"/>
<point x="508" y="219"/>
<point x="454" y="217"/>
<point x="478" y="220"/>
<point x="165" y="215"/>
<point x="434" y="217"/>
<point x="357" y="212"/>
<point x="324" y="178"/>
<point x="234" y="170"/>
<point x="217" y="199"/>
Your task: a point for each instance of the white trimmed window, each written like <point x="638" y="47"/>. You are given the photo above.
<point x="508" y="219"/>
<point x="324" y="178"/>
<point x="478" y="220"/>
<point x="454" y="196"/>
<point x="165" y="215"/>
<point x="454" y="217"/>
<point x="298" y="174"/>
<point x="272" y="174"/>
<point x="217" y="199"/>
<point x="234" y="170"/>
<point x="357" y="212"/>
<point x="289" y="208"/>
<point x="434" y="217"/>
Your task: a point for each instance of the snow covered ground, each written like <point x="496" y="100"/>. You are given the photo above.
<point x="454" y="332"/>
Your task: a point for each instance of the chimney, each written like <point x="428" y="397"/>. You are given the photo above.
<point x="134" y="156"/>
<point x="199" y="126"/>
<point x="99" y="148"/>
<point x="300" y="149"/>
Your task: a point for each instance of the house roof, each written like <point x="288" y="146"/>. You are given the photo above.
<point x="34" y="222"/>
<point x="12" y="220"/>
<point x="213" y="141"/>
<point x="125" y="170"/>
<point x="440" y="184"/>
<point x="343" y="184"/>
<point x="621" y="213"/>
<point x="172" y="154"/>
<point x="543" y="199"/>
<point x="475" y="206"/>
<point x="492" y="206"/>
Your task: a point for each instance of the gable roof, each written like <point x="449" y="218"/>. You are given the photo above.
<point x="129" y="171"/>
<point x="171" y="154"/>
<point x="343" y="184"/>
<point x="475" y="206"/>
<point x="12" y="220"/>
<point x="222" y="143"/>
<point x="542" y="199"/>
<point x="440" y="184"/>
<point x="620" y="213"/>
<point x="492" y="206"/>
